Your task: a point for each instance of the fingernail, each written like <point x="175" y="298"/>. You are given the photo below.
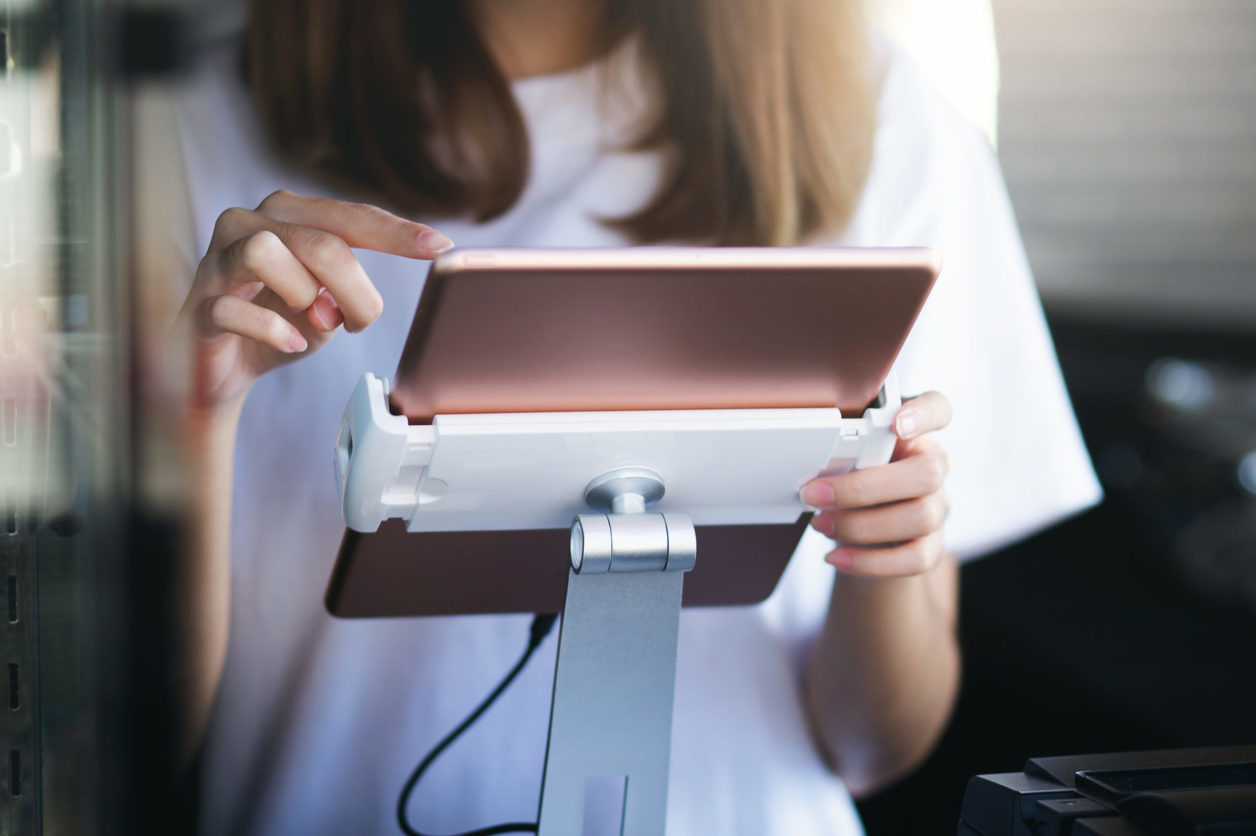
<point x="818" y="495"/>
<point x="435" y="241"/>
<point x="840" y="560"/>
<point x="296" y="342"/>
<point x="908" y="424"/>
<point x="823" y="524"/>
<point x="327" y="312"/>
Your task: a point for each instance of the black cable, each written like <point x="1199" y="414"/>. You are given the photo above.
<point x="541" y="626"/>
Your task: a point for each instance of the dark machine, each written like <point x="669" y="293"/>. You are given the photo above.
<point x="1186" y="792"/>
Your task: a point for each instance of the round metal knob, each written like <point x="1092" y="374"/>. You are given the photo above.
<point x="620" y="485"/>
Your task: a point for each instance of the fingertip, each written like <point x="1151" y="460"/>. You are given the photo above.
<point x="907" y="424"/>
<point x="818" y="494"/>
<point x="434" y="242"/>
<point x="840" y="559"/>
<point x="297" y="342"/>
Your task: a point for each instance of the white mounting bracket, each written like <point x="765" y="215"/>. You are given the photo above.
<point x="514" y="471"/>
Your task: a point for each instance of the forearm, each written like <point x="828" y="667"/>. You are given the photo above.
<point x="884" y="673"/>
<point x="204" y="584"/>
<point x="275" y="284"/>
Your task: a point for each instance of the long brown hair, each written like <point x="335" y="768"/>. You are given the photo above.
<point x="765" y="109"/>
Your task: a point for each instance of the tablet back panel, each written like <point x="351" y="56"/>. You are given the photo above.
<point x="658" y="328"/>
<point x="395" y="573"/>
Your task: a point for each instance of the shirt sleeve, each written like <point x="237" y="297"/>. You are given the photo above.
<point x="1018" y="463"/>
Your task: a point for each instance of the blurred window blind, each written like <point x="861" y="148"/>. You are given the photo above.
<point x="1128" y="137"/>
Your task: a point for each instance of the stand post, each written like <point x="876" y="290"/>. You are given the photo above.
<point x="614" y="682"/>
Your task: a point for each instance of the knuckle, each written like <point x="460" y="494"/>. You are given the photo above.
<point x="851" y="491"/>
<point x="935" y="511"/>
<point x="276" y="197"/>
<point x="935" y="469"/>
<point x="229" y="219"/>
<point x="859" y="494"/>
<point x="257" y="251"/>
<point x="326" y="250"/>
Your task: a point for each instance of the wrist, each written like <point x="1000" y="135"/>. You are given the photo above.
<point x="931" y="596"/>
<point x="928" y="599"/>
<point x="875" y="589"/>
<point x="213" y="424"/>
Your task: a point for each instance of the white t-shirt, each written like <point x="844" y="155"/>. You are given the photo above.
<point x="318" y="720"/>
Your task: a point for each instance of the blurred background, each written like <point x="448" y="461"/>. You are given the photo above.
<point x="1127" y="131"/>
<point x="1127" y="134"/>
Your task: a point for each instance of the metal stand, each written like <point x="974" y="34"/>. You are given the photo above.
<point x="614" y="684"/>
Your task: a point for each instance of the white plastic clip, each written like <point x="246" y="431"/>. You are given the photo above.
<point x="869" y="439"/>
<point x="389" y="458"/>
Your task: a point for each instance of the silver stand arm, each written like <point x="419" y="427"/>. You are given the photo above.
<point x="615" y="679"/>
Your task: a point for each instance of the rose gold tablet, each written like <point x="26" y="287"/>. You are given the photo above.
<point x="539" y="330"/>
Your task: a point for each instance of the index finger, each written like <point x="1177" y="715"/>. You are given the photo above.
<point x="357" y="224"/>
<point x="922" y="414"/>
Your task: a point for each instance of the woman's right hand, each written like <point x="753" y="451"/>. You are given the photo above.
<point x="279" y="280"/>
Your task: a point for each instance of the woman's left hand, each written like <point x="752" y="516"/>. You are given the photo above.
<point x="888" y="519"/>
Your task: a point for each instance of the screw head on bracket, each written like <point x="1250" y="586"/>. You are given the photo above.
<point x="617" y="487"/>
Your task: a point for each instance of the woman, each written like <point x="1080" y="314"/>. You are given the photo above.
<point x="570" y="123"/>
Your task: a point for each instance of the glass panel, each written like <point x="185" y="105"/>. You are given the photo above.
<point x="89" y="463"/>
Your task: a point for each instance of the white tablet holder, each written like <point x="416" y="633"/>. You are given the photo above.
<point x="653" y="475"/>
